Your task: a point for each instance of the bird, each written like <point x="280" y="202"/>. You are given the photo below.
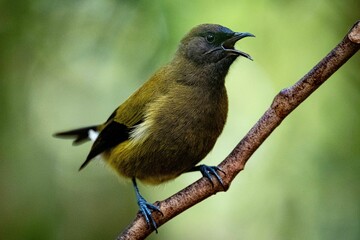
<point x="173" y="120"/>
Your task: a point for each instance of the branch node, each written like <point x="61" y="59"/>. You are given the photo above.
<point x="354" y="34"/>
<point x="281" y="103"/>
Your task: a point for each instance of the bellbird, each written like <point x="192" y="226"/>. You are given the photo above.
<point x="173" y="121"/>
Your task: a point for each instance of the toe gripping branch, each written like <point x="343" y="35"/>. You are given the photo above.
<point x="207" y="171"/>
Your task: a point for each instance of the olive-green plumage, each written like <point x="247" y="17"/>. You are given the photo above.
<point x="173" y="121"/>
<point x="174" y="134"/>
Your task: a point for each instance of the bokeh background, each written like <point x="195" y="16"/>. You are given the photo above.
<point x="68" y="64"/>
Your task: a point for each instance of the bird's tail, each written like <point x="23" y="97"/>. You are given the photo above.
<point x="79" y="135"/>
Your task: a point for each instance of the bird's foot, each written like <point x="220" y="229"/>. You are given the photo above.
<point x="207" y="171"/>
<point x="146" y="208"/>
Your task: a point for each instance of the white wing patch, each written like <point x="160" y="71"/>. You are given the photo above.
<point x="93" y="135"/>
<point x="141" y="131"/>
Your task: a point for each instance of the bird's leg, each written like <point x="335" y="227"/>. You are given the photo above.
<point x="146" y="207"/>
<point x="207" y="171"/>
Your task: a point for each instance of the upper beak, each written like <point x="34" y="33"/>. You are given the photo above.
<point x="228" y="45"/>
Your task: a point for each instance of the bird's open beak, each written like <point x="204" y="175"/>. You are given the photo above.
<point x="228" y="45"/>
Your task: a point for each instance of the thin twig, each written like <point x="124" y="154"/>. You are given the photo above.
<point x="283" y="104"/>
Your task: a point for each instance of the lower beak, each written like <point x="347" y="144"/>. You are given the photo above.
<point x="228" y="45"/>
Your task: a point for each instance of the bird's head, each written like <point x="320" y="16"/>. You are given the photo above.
<point x="211" y="43"/>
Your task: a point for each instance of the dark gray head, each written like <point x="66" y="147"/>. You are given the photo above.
<point x="211" y="43"/>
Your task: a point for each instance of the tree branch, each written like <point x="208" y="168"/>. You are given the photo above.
<point x="283" y="104"/>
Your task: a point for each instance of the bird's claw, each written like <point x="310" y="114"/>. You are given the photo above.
<point x="207" y="171"/>
<point x="145" y="209"/>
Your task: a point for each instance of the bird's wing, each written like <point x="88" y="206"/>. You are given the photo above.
<point x="114" y="131"/>
<point x="133" y="110"/>
<point x="129" y="114"/>
<point x="112" y="134"/>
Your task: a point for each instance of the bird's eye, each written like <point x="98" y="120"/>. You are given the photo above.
<point x="210" y="38"/>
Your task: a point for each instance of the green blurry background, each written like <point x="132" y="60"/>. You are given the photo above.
<point x="68" y="64"/>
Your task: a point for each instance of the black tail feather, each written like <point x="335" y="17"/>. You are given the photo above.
<point x="81" y="134"/>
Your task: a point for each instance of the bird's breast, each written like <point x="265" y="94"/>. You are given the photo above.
<point x="184" y="114"/>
